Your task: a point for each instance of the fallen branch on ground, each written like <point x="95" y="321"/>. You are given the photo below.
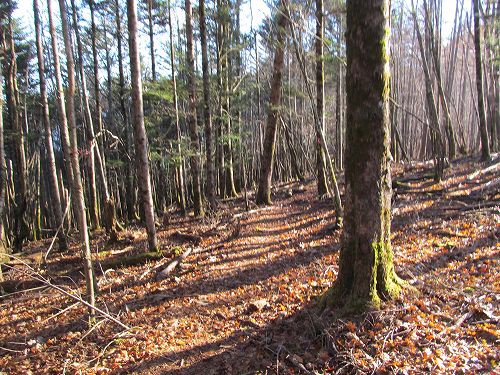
<point x="252" y="211"/>
<point x="187" y="237"/>
<point x="491" y="168"/>
<point x="36" y="276"/>
<point x="163" y="274"/>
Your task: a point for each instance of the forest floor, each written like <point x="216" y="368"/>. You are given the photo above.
<point x="245" y="300"/>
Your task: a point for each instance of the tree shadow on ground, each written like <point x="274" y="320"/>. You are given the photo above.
<point x="255" y="348"/>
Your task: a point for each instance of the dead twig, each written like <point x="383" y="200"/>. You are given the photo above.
<point x="36" y="276"/>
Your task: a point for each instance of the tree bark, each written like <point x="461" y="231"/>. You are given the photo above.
<point x="61" y="108"/>
<point x="77" y="188"/>
<point x="91" y="152"/>
<point x="179" y="168"/>
<point x="320" y="99"/>
<point x="97" y="90"/>
<point x="267" y="159"/>
<point x="435" y="54"/>
<point x="191" y="114"/>
<point x="110" y="223"/>
<point x="224" y="52"/>
<point x="438" y="144"/>
<point x="339" y="110"/>
<point x="56" y="203"/>
<point x="21" y="228"/>
<point x="366" y="271"/>
<point x="129" y="179"/>
<point x="3" y="182"/>
<point x="140" y="137"/>
<point x="207" y="116"/>
<point x="485" y="144"/>
<point x="319" y="131"/>
<point x="151" y="40"/>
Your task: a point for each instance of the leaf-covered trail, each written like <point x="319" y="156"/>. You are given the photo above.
<point x="244" y="300"/>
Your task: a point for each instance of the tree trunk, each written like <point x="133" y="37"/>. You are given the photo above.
<point x="191" y="114"/>
<point x="339" y="111"/>
<point x="97" y="90"/>
<point x="21" y="228"/>
<point x="110" y="223"/>
<point x="319" y="130"/>
<point x="223" y="9"/>
<point x="435" y="54"/>
<point x="267" y="159"/>
<point x="129" y="179"/>
<point x="220" y="113"/>
<point x="109" y="75"/>
<point x="210" y="187"/>
<point x="140" y="137"/>
<point x="366" y="271"/>
<point x="179" y="168"/>
<point x="485" y="144"/>
<point x="56" y="204"/>
<point x="61" y="108"/>
<point x="91" y="152"/>
<point x="77" y="188"/>
<point x="151" y="40"/>
<point x="438" y="144"/>
<point x="3" y="183"/>
<point x="320" y="99"/>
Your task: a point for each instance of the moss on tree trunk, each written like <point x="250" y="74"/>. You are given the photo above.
<point x="366" y="271"/>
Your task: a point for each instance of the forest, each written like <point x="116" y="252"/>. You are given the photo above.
<point x="249" y="186"/>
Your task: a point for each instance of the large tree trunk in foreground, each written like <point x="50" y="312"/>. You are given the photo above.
<point x="485" y="144"/>
<point x="266" y="161"/>
<point x="49" y="149"/>
<point x="191" y="114"/>
<point x="140" y="137"/>
<point x="366" y="271"/>
<point x="3" y="182"/>
<point x="77" y="188"/>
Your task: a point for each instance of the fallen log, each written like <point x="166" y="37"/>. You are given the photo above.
<point x="247" y="213"/>
<point x="132" y="260"/>
<point x="193" y="238"/>
<point x="486" y="170"/>
<point x="419" y="176"/>
<point x="164" y="273"/>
